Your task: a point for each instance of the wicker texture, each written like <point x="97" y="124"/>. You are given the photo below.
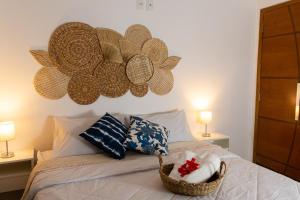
<point x="190" y="189"/>
<point x="74" y="46"/>
<point x="138" y="34"/>
<point x="139" y="90"/>
<point x="111" y="52"/>
<point x="128" y="49"/>
<point x="161" y="82"/>
<point x="109" y="36"/>
<point x="51" y="83"/>
<point x="156" y="50"/>
<point x="112" y="78"/>
<point x="170" y="63"/>
<point x="42" y="57"/>
<point x="83" y="88"/>
<point x="139" y="69"/>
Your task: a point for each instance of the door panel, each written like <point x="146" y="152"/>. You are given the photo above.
<point x="295" y="155"/>
<point x="295" y="9"/>
<point x="276" y="22"/>
<point x="293" y="173"/>
<point x="276" y="166"/>
<point x="298" y="44"/>
<point x="275" y="139"/>
<point x="278" y="98"/>
<point x="279" y="57"/>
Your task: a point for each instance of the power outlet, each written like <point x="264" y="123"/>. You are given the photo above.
<point x="140" y="4"/>
<point x="149" y="4"/>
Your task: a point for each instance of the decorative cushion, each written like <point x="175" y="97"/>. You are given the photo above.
<point x="147" y="137"/>
<point x="107" y="134"/>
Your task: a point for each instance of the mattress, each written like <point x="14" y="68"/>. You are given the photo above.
<point x="136" y="177"/>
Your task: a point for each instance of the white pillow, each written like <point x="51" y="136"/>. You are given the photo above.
<point x="175" y="121"/>
<point x="66" y="140"/>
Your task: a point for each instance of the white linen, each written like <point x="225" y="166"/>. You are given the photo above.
<point x="44" y="155"/>
<point x="208" y="164"/>
<point x="94" y="177"/>
<point x="174" y="121"/>
<point x="66" y="139"/>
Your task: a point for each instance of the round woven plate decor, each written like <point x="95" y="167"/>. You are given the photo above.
<point x="128" y="49"/>
<point x="75" y="46"/>
<point x="109" y="36"/>
<point x="139" y="90"/>
<point x="42" y="57"/>
<point x="161" y="82"/>
<point x="111" y="52"/>
<point x="84" y="88"/>
<point x="139" y="69"/>
<point x="138" y="34"/>
<point x="112" y="79"/>
<point x="51" y="83"/>
<point x="156" y="50"/>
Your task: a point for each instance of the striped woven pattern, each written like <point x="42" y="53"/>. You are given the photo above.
<point x="108" y="134"/>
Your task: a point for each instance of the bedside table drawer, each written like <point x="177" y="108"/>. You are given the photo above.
<point x="14" y="176"/>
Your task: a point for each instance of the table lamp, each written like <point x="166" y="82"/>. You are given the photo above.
<point x="204" y="118"/>
<point x="7" y="132"/>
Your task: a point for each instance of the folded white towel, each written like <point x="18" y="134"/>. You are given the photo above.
<point x="208" y="164"/>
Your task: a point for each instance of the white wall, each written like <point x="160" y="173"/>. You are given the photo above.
<point x="215" y="38"/>
<point x="267" y="3"/>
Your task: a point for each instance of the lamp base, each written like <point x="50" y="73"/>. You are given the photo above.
<point x="205" y="134"/>
<point x="7" y="155"/>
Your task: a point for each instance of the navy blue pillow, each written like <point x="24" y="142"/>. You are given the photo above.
<point x="107" y="134"/>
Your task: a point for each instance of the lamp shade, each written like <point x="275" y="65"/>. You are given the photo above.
<point x="205" y="117"/>
<point x="7" y="131"/>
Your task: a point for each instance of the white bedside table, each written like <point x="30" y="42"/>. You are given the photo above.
<point x="215" y="138"/>
<point x="15" y="171"/>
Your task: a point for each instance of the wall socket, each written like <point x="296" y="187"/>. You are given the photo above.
<point x="140" y="4"/>
<point x="149" y="4"/>
<point x="145" y="5"/>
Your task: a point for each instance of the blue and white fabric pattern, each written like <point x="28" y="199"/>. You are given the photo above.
<point x="147" y="137"/>
<point x="107" y="134"/>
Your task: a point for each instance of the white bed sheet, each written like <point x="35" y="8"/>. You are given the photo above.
<point x="94" y="177"/>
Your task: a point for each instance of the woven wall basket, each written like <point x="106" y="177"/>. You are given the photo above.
<point x="139" y="90"/>
<point x="113" y="81"/>
<point x="156" y="50"/>
<point x="109" y="36"/>
<point x="111" y="52"/>
<point x="51" y="83"/>
<point x="75" y="47"/>
<point x="128" y="49"/>
<point x="86" y="62"/>
<point x="161" y="82"/>
<point x="138" y="34"/>
<point x="139" y="69"/>
<point x="83" y="88"/>
<point x="42" y="57"/>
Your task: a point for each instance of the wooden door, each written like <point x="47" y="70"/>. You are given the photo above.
<point x="277" y="133"/>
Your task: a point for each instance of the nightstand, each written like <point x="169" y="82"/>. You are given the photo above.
<point x="215" y="138"/>
<point x="15" y="171"/>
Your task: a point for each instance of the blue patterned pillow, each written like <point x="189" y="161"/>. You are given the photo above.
<point x="147" y="137"/>
<point x="107" y="134"/>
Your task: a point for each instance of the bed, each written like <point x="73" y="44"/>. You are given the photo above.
<point x="96" y="176"/>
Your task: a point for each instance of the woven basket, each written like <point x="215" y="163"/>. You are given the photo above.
<point x="139" y="69"/>
<point x="161" y="82"/>
<point x="139" y="90"/>
<point x="74" y="46"/>
<point x="138" y="34"/>
<point x="156" y="50"/>
<point x="190" y="189"/>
